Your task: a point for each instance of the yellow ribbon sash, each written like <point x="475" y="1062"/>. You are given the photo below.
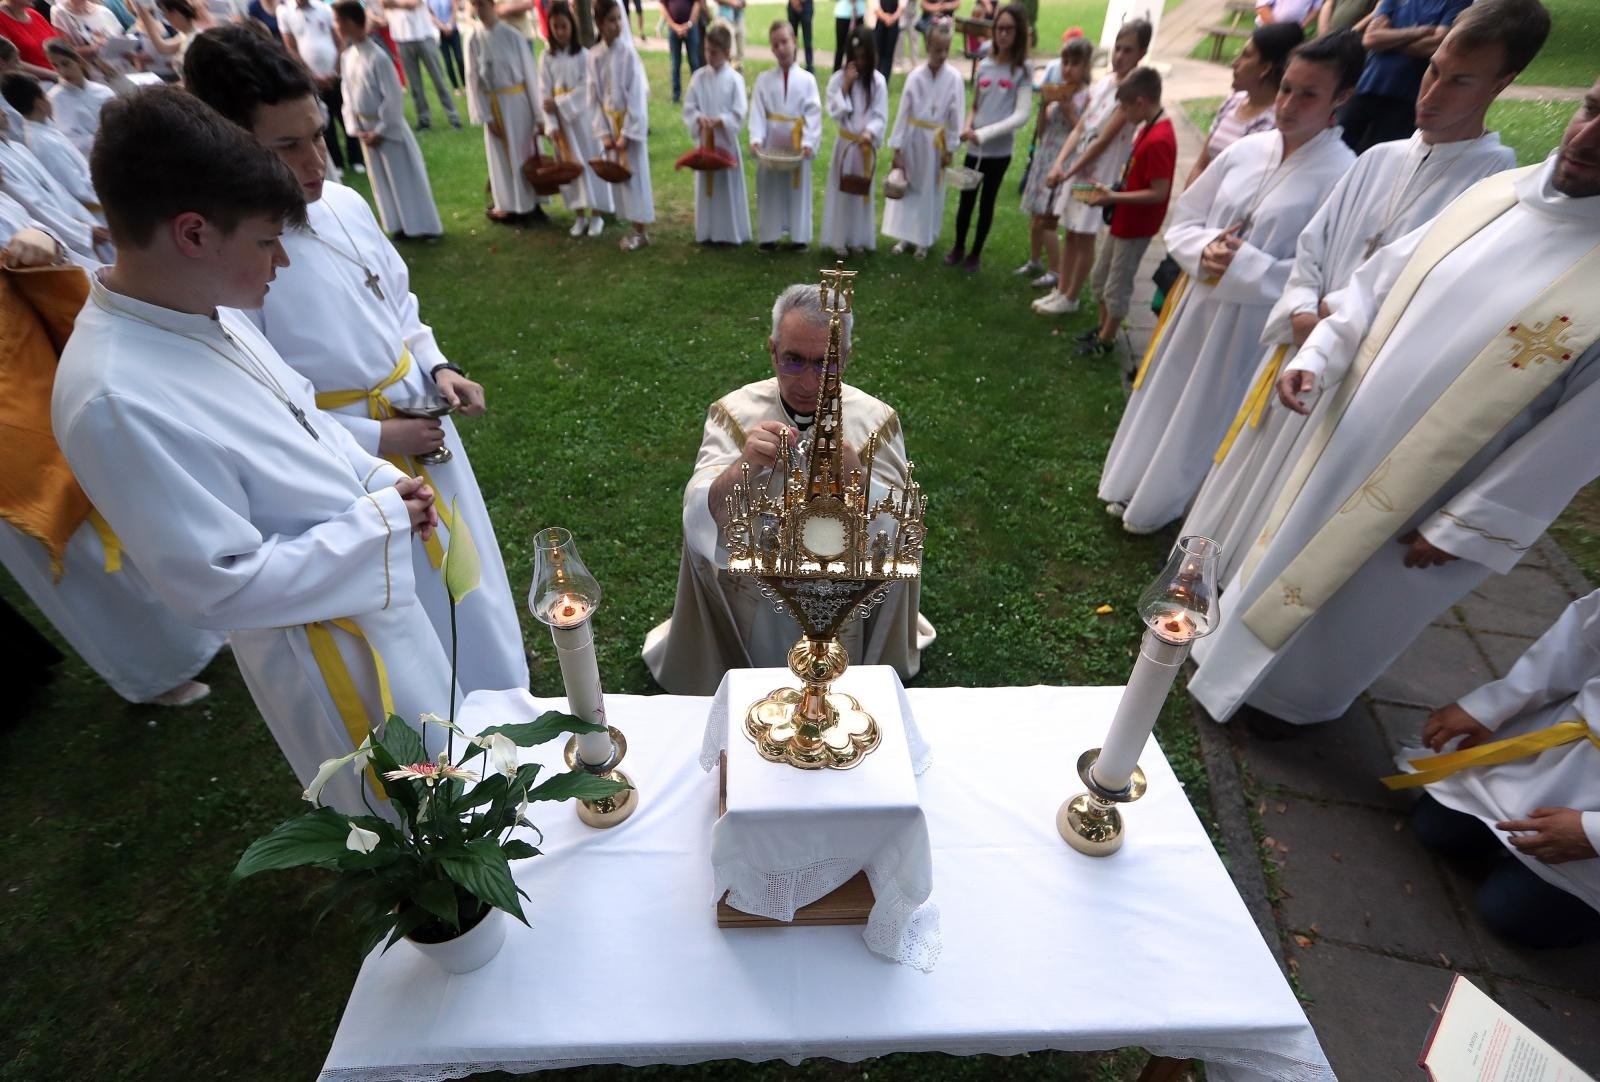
<point x="342" y="686"/>
<point x="1255" y="403"/>
<point x="108" y="541"/>
<point x="1434" y="768"/>
<point x="563" y="147"/>
<point x="1168" y="308"/>
<point x="940" y="143"/>
<point x="379" y="408"/>
<point x="794" y="139"/>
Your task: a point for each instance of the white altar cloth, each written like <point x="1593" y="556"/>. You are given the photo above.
<point x="792" y="836"/>
<point x="1043" y="948"/>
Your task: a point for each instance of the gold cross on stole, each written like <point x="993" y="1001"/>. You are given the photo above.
<point x="1540" y="342"/>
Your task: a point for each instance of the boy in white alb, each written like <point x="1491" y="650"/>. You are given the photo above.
<point x="245" y="507"/>
<point x="786" y="112"/>
<point x="715" y="107"/>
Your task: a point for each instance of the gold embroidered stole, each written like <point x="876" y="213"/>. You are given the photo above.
<point x="1512" y="370"/>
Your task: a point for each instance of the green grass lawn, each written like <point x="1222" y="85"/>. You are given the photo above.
<point x="1567" y="59"/>
<point x="128" y="956"/>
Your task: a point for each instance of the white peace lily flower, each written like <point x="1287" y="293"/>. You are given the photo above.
<point x="443" y="723"/>
<point x="361" y="841"/>
<point x="502" y="753"/>
<point x="358" y="759"/>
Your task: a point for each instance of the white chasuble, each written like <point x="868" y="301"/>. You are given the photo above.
<point x="624" y="112"/>
<point x="1193" y="383"/>
<point x="785" y="112"/>
<point x="503" y="88"/>
<point x="721" y="206"/>
<point x="849" y="221"/>
<point x="927" y="125"/>
<point x="1479" y="275"/>
<point x="568" y="80"/>
<point x="334" y="329"/>
<point x="241" y="520"/>
<point x="1392" y="189"/>
<point x="111" y="619"/>
<point x="373" y="103"/>
<point x="720" y="621"/>
<point x="1557" y="680"/>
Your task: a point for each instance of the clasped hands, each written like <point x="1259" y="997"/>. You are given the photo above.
<point x="1217" y="256"/>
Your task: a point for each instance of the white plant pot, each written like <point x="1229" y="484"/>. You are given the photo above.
<point x="470" y="951"/>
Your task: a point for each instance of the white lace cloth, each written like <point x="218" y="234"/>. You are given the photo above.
<point x="791" y="836"/>
<point x="1042" y="948"/>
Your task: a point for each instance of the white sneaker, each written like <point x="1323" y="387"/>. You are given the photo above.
<point x="1115" y="509"/>
<point x="842" y="253"/>
<point x="1047" y="280"/>
<point x="579" y="228"/>
<point x="1030" y="267"/>
<point x="920" y="253"/>
<point x="899" y="249"/>
<point x="190" y="691"/>
<point x="359" y="168"/>
<point x="1055" y="303"/>
<point x="596" y="225"/>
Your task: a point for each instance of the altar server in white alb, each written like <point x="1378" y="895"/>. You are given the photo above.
<point x="622" y="123"/>
<point x="785" y="113"/>
<point x="1392" y="189"/>
<point x="75" y="100"/>
<point x="503" y="95"/>
<point x="715" y="107"/>
<point x="565" y="79"/>
<point x="25" y="179"/>
<point x="1520" y="775"/>
<point x="1462" y="364"/>
<point x="53" y="543"/>
<point x="721" y="622"/>
<point x="342" y="314"/>
<point x="374" y="110"/>
<point x="245" y="507"/>
<point x="51" y="146"/>
<point x="1234" y="233"/>
<point x="858" y="101"/>
<point x="926" y="131"/>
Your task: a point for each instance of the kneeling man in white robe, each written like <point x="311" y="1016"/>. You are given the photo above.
<point x="1525" y="779"/>
<point x="720" y="622"/>
<point x="1462" y="361"/>
<point x="246" y="508"/>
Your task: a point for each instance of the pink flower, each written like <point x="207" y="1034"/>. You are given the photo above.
<point x="430" y="773"/>
<point x="983" y="83"/>
<point x="1005" y="84"/>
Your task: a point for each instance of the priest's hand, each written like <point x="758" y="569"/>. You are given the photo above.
<point x="1424" y="553"/>
<point x="462" y="393"/>
<point x="1552" y="835"/>
<point x="418" y="497"/>
<point x="410" y="436"/>
<point x="32" y="248"/>
<point x="761" y="445"/>
<point x="1449" y="722"/>
<point x="850" y="460"/>
<point x="1294" y="387"/>
<point x="1301" y="324"/>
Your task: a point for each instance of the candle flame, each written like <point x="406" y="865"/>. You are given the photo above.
<point x="568" y="611"/>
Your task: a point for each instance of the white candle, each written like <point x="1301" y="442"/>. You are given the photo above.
<point x="580" y="672"/>
<point x="1161" y="653"/>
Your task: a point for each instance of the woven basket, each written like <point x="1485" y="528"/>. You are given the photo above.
<point x="780" y="160"/>
<point x="895" y="185"/>
<point x="547" y="174"/>
<point x="859" y="183"/>
<point x="961" y="178"/>
<point x="612" y="170"/>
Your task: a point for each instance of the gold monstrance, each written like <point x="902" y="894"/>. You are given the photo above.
<point x="825" y="552"/>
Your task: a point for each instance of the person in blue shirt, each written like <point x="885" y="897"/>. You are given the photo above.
<point x="1401" y="36"/>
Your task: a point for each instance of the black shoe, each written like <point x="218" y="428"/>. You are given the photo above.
<point x="426" y="125"/>
<point x="455" y="122"/>
<point x="768" y="246"/>
<point x="1094" y="347"/>
<point x="537" y="215"/>
<point x="1269" y="727"/>
<point x="1088" y="336"/>
<point x="799" y="247"/>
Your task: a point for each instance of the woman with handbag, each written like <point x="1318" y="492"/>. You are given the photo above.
<point x="858" y="101"/>
<point x="570" y="119"/>
<point x="1002" y="98"/>
<point x="502" y="95"/>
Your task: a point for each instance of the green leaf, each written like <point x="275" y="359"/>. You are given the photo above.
<point x="485" y="791"/>
<point x="315" y="837"/>
<point x="402" y="742"/>
<point x="547" y="726"/>
<point x="576" y="784"/>
<point x="517" y="849"/>
<point x="482" y="870"/>
<point x="438" y="898"/>
<point x="462" y="568"/>
<point x="407" y="921"/>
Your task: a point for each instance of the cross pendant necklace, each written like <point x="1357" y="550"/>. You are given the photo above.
<point x="300" y="415"/>
<point x="373" y="284"/>
<point x="262" y="375"/>
<point x="370" y="277"/>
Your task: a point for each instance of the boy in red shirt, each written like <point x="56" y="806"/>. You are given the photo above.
<point x="1138" y="205"/>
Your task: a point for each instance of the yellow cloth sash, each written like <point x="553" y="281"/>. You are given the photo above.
<point x="108" y="541"/>
<point x="794" y="139"/>
<point x="1255" y="403"/>
<point x="379" y="408"/>
<point x="617" y="116"/>
<point x="1169" y="307"/>
<point x="1514" y="367"/>
<point x="1434" y="768"/>
<point x="563" y="147"/>
<point x="342" y="686"/>
<point x="519" y="88"/>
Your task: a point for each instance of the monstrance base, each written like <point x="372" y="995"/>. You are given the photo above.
<point x="775" y="728"/>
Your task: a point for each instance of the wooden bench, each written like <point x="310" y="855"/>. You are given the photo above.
<point x="1218" y="34"/>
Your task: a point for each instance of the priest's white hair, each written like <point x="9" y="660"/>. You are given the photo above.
<point x="807" y="297"/>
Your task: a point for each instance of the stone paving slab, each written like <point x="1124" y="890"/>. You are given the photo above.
<point x="1372" y="1013"/>
<point x="1439" y="668"/>
<point x="1502" y="651"/>
<point x="1341" y="761"/>
<point x="1401" y="724"/>
<point x="1519" y="603"/>
<point x="1349" y="872"/>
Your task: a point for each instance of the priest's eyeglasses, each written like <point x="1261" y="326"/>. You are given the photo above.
<point x="791" y="364"/>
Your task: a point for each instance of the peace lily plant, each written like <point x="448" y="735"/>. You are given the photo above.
<point x="435" y="867"/>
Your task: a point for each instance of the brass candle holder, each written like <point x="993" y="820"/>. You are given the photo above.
<point x="823" y="551"/>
